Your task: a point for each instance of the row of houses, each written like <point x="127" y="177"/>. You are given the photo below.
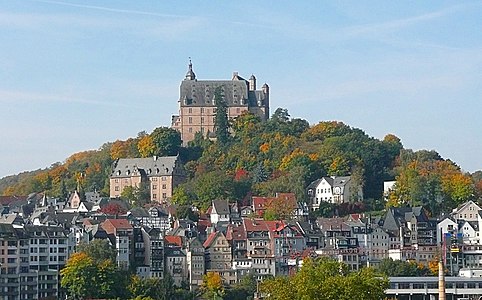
<point x="38" y="234"/>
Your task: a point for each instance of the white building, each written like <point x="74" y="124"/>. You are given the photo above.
<point x="335" y="189"/>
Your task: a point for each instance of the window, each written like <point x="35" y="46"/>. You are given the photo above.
<point x="164" y="195"/>
<point x="154" y="186"/>
<point x="202" y="120"/>
<point x="154" y="196"/>
<point x="190" y="130"/>
<point x="116" y="188"/>
<point x="163" y="186"/>
<point x="190" y="120"/>
<point x="190" y="110"/>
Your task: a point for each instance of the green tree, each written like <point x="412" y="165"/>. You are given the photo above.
<point x="397" y="268"/>
<point x="83" y="278"/>
<point x="221" y="122"/>
<point x="213" y="186"/>
<point x="327" y="279"/>
<point x="99" y="250"/>
<point x="167" y="141"/>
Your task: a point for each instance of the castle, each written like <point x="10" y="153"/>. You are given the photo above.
<point x="197" y="109"/>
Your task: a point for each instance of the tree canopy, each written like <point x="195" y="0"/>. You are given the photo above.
<point x="326" y="279"/>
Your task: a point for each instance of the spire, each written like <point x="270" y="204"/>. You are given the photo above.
<point x="190" y="74"/>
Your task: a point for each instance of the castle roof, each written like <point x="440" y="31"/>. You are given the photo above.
<point x="151" y="166"/>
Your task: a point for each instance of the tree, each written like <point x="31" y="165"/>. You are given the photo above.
<point x="395" y="268"/>
<point x="221" y="123"/>
<point x="167" y="141"/>
<point x="212" y="286"/>
<point x="244" y="289"/>
<point x="84" y="278"/>
<point x="113" y="209"/>
<point x="99" y="250"/>
<point x="326" y="279"/>
<point x="146" y="146"/>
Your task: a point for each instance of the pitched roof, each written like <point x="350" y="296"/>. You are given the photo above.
<point x="255" y="225"/>
<point x="6" y="200"/>
<point x="151" y="166"/>
<point x="173" y="240"/>
<point x="210" y="239"/>
<point x="221" y="207"/>
<point x="119" y="223"/>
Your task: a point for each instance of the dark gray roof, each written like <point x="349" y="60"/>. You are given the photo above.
<point x="235" y="91"/>
<point x="221" y="206"/>
<point x="152" y="166"/>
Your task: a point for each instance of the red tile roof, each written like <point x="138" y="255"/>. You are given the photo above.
<point x="119" y="223"/>
<point x="235" y="233"/>
<point x="173" y="240"/>
<point x="255" y="224"/>
<point x="210" y="239"/>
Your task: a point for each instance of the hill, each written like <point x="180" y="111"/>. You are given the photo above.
<point x="281" y="155"/>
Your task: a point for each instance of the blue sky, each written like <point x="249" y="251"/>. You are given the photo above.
<point x="76" y="74"/>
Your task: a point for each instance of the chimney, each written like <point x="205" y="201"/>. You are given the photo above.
<point x="441" y="280"/>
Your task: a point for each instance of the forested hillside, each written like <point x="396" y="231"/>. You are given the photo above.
<point x="261" y="158"/>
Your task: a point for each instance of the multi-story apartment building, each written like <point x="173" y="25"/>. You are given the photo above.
<point x="197" y="107"/>
<point x="154" y="251"/>
<point x="195" y="262"/>
<point x="259" y="247"/>
<point x="175" y="264"/>
<point x="161" y="174"/>
<point x="219" y="256"/>
<point x="120" y="233"/>
<point x="30" y="260"/>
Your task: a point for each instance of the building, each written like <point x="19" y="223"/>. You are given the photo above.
<point x="335" y="189"/>
<point x="161" y="174"/>
<point x="197" y="107"/>
<point x="30" y="260"/>
<point x="195" y="262"/>
<point x="120" y="233"/>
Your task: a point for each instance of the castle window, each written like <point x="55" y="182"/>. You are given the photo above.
<point x="202" y="120"/>
<point x="190" y="110"/>
<point x="202" y="109"/>
<point x="190" y="120"/>
<point x="190" y="130"/>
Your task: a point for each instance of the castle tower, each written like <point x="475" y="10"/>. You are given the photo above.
<point x="252" y="83"/>
<point x="190" y="73"/>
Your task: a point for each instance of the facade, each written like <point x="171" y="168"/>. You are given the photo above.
<point x="121" y="234"/>
<point x="197" y="108"/>
<point x="195" y="263"/>
<point x="335" y="189"/>
<point x="161" y="174"/>
<point x="30" y="260"/>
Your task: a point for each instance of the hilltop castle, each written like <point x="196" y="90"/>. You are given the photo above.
<point x="197" y="108"/>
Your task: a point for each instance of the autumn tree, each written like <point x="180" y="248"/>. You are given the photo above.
<point x="212" y="286"/>
<point x="146" y="146"/>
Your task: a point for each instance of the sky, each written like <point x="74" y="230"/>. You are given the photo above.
<point x="77" y="74"/>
